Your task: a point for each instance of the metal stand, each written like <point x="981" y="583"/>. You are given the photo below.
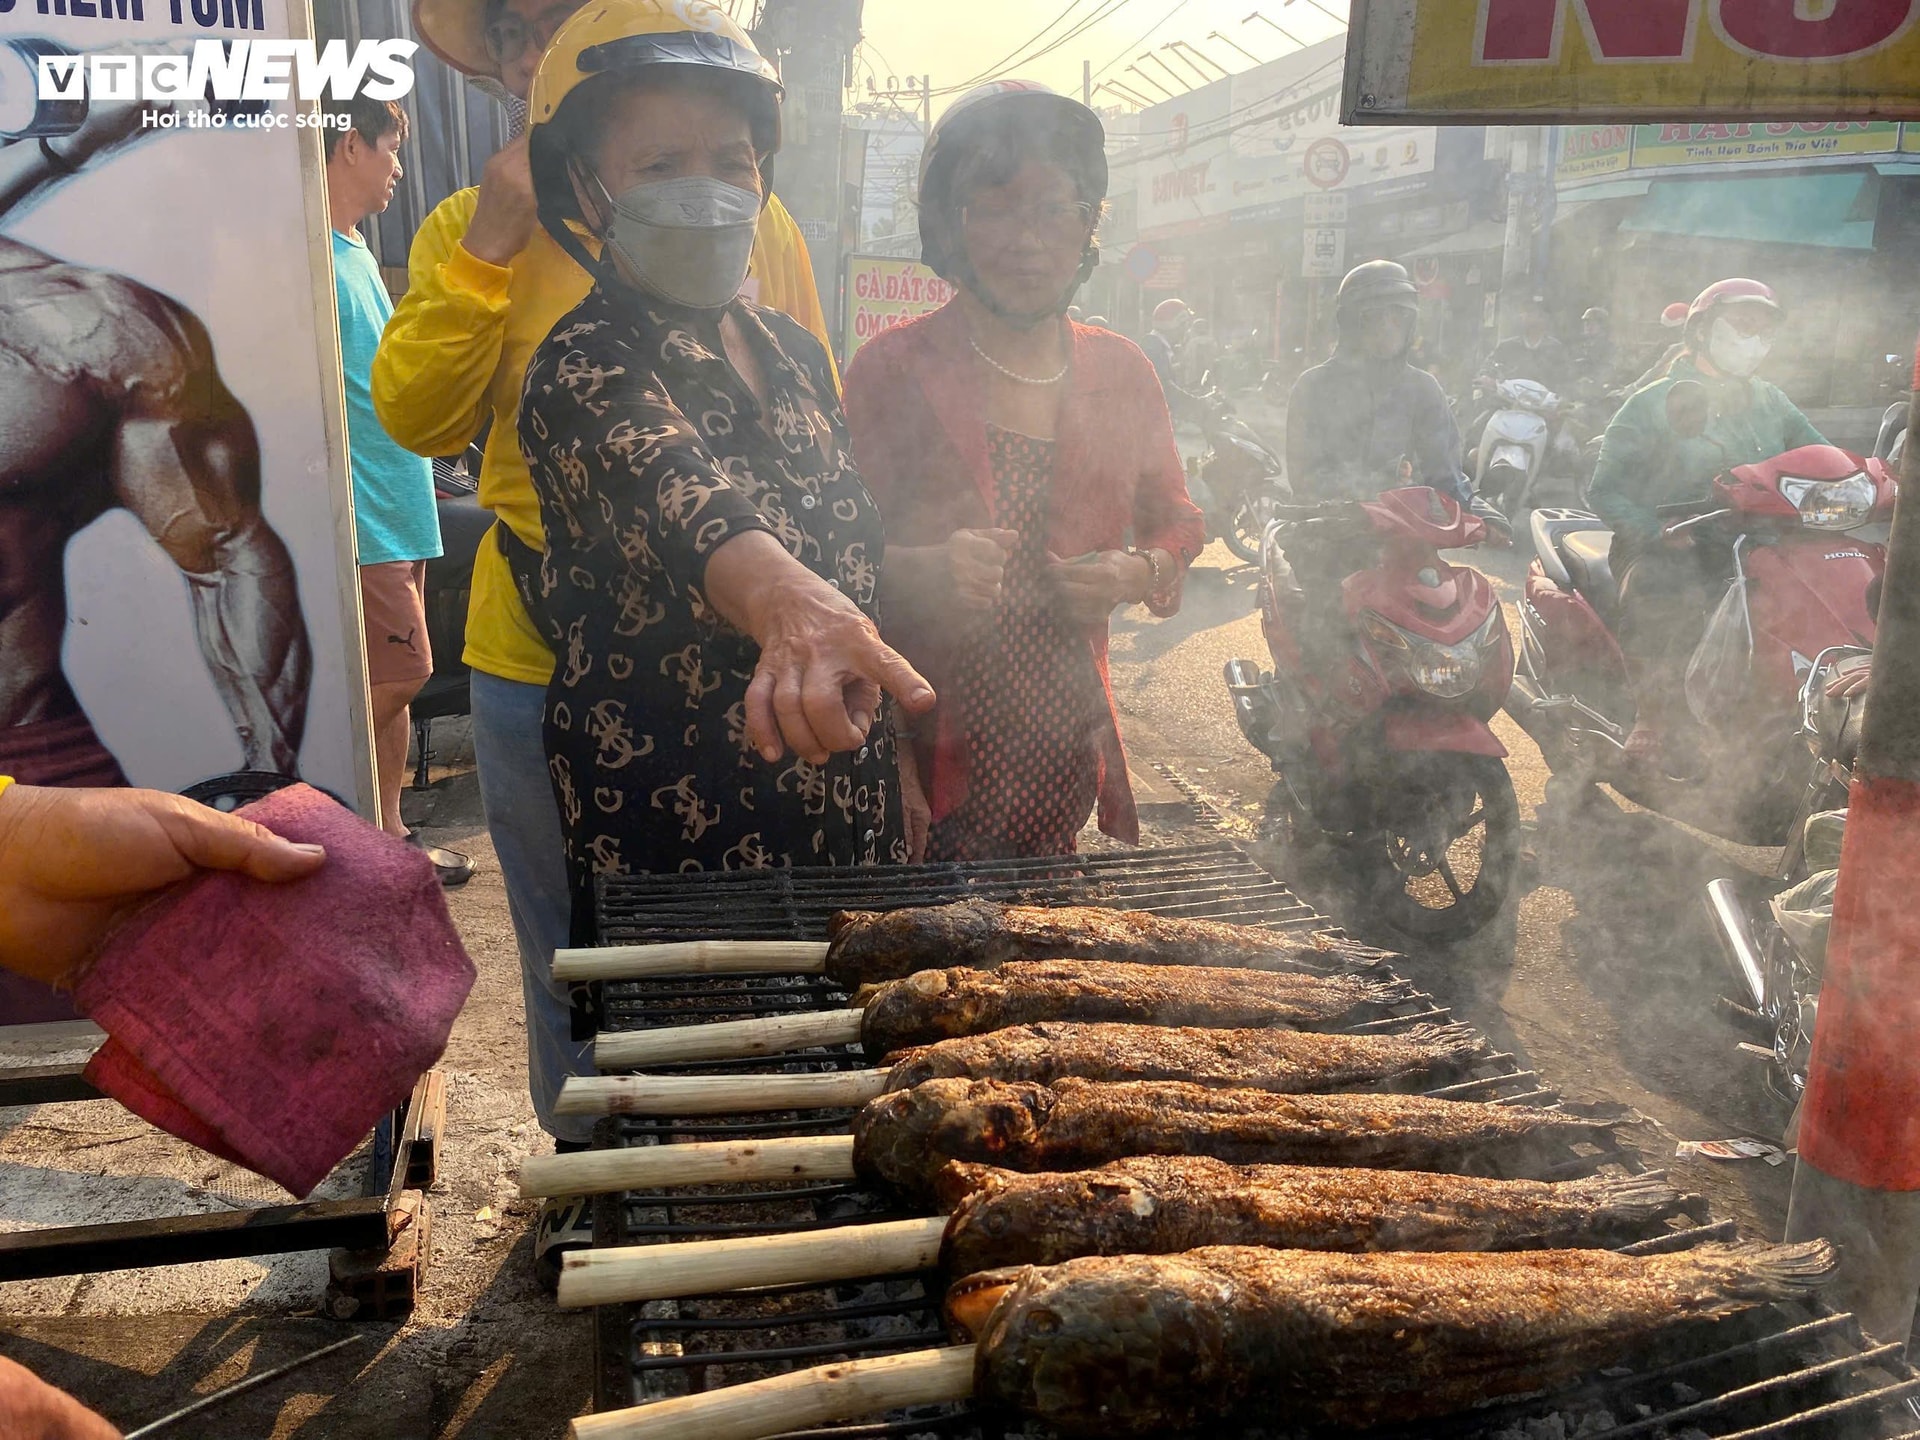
<point x="392" y="1222"/>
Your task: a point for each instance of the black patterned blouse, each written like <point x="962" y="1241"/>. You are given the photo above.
<point x="648" y="451"/>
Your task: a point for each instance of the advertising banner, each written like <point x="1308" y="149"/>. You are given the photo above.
<point x="1562" y="61"/>
<point x="1288" y="142"/>
<point x="1591" y="154"/>
<point x="177" y="587"/>
<point x="883" y="293"/>
<point x="1181" y="167"/>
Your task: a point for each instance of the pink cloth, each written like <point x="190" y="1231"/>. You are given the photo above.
<point x="274" y="1024"/>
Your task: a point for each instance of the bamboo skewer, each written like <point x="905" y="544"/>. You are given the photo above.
<point x="821" y="1396"/>
<point x="725" y="1040"/>
<point x="692" y="957"/>
<point x="713" y="1162"/>
<point x="706" y="1267"/>
<point x="716" y="1094"/>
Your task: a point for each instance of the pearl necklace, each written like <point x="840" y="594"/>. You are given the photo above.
<point x="1015" y="375"/>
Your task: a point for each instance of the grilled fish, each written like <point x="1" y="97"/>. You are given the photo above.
<point x="903" y="1138"/>
<point x="1160" y="1205"/>
<point x="1146" y="1345"/>
<point x="1280" y="1060"/>
<point x="868" y="946"/>
<point x="942" y="1004"/>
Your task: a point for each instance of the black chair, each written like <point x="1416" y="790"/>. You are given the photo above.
<point x="463" y="529"/>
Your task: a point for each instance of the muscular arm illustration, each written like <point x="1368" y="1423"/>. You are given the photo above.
<point x="187" y="464"/>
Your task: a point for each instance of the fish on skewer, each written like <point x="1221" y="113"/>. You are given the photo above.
<point x="1149" y="1345"/>
<point x="868" y="946"/>
<point x="1147" y="1205"/>
<point x="1285" y="1061"/>
<point x="902" y="1139"/>
<point x="1122" y="1346"/>
<point x="1162" y="1204"/>
<point x="936" y="1005"/>
<point x="865" y="947"/>
<point x="943" y="1004"/>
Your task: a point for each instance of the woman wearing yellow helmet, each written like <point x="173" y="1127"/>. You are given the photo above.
<point x="712" y="556"/>
<point x="485" y="285"/>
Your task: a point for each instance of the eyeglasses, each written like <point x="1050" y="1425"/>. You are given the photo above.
<point x="1060" y="222"/>
<point x="509" y="36"/>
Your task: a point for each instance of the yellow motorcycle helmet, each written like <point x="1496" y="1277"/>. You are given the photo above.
<point x="625" y="38"/>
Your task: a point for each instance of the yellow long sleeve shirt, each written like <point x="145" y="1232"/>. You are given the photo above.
<point x="456" y="351"/>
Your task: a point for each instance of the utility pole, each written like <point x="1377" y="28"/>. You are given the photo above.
<point x="926" y="106"/>
<point x="1857" y="1180"/>
<point x="1086" y="83"/>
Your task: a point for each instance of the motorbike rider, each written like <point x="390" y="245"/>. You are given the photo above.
<point x="1667" y="584"/>
<point x="1593" y="352"/>
<point x="1535" y="353"/>
<point x="1352" y="420"/>
<point x="1172" y="323"/>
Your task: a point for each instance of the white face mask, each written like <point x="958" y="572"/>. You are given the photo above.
<point x="687" y="240"/>
<point x="1733" y="353"/>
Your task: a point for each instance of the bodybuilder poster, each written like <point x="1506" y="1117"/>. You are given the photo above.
<point x="176" y="562"/>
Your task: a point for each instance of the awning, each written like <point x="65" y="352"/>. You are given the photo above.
<point x="1833" y="211"/>
<point x="1486" y="235"/>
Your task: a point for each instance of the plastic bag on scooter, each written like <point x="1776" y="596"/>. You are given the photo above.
<point x="1821" y="839"/>
<point x="1722" y="662"/>
<point x="1805" y="914"/>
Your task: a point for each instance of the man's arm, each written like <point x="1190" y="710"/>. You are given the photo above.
<point x="438" y="355"/>
<point x="186" y="463"/>
<point x="1438" y="440"/>
<point x="1627" y="459"/>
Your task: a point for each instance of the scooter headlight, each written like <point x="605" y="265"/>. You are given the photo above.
<point x="1445" y="672"/>
<point x="1830" y="504"/>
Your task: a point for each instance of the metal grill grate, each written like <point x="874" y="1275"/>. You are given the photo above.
<point x="1790" y="1371"/>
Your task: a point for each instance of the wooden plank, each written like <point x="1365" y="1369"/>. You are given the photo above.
<point x="186" y="1239"/>
<point x="44" y="1085"/>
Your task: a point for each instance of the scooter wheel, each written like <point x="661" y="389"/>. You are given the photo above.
<point x="1242" y="532"/>
<point x="1446" y="860"/>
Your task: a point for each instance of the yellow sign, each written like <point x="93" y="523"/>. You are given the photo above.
<point x="1587" y="151"/>
<point x="1594" y="152"/>
<point x="884" y="293"/>
<point x="1568" y="60"/>
<point x="1718" y="144"/>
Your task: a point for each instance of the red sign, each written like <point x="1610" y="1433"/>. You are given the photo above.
<point x="1326" y="161"/>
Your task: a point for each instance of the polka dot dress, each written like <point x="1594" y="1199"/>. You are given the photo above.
<point x="1036" y="713"/>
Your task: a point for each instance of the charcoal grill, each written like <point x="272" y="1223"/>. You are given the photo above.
<point x="1795" y="1370"/>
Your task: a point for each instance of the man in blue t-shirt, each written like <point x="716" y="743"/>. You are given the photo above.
<point x="396" y="523"/>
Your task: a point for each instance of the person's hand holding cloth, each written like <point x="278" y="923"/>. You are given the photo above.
<point x="271" y="982"/>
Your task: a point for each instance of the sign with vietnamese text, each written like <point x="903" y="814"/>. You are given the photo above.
<point x="1596" y="153"/>
<point x="883" y="293"/>
<point x="1537" y="61"/>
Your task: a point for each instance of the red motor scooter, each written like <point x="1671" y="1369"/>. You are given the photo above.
<point x="1799" y="584"/>
<point x="1389" y="663"/>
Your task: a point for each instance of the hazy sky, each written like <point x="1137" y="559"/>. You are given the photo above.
<point x="956" y="41"/>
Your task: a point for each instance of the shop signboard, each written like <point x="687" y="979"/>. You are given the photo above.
<point x="1594" y="154"/>
<point x="883" y="293"/>
<point x="1562" y="61"/>
<point x="1182" y="162"/>
<point x="169" y="303"/>
<point x="1260" y="143"/>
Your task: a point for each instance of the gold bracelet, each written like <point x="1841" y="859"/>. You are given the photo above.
<point x="1155" y="584"/>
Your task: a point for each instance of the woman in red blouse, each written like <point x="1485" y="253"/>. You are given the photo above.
<point x="1026" y="472"/>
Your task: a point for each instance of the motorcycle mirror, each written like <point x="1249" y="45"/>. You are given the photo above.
<point x="1687" y="409"/>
